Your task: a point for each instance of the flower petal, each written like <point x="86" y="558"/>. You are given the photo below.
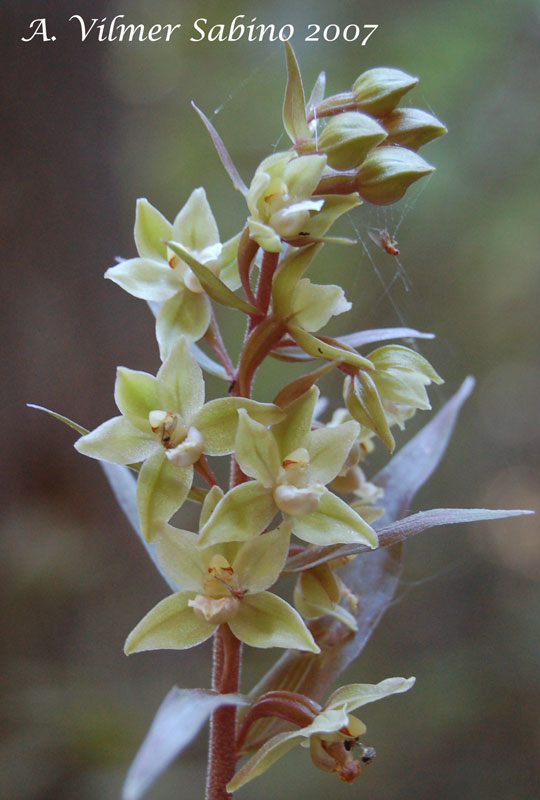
<point x="119" y="441"/>
<point x="218" y="421"/>
<point x="162" y="487"/>
<point x="314" y="305"/>
<point x="151" y="231"/>
<point x="271" y="750"/>
<point x="171" y="625"/>
<point x="260" y="560"/>
<point x="181" y="374"/>
<point x="256" y="450"/>
<point x="186" y="314"/>
<point x="355" y="695"/>
<point x="292" y="432"/>
<point x="137" y="394"/>
<point x="180" y="557"/>
<point x="245" y="511"/>
<point x="195" y="226"/>
<point x="328" y="449"/>
<point x="146" y="279"/>
<point x="265" y="620"/>
<point x="333" y="522"/>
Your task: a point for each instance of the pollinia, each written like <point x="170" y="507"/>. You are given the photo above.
<point x="299" y="499"/>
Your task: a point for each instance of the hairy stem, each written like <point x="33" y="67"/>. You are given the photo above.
<point x="222" y="750"/>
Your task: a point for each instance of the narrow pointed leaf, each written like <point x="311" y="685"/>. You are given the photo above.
<point x="223" y="153"/>
<point x="317" y="93"/>
<point x="61" y="418"/>
<point x="380" y="335"/>
<point x="212" y="285"/>
<point x="178" y="720"/>
<point x="294" y="104"/>
<point x="208" y="364"/>
<point x="124" y="487"/>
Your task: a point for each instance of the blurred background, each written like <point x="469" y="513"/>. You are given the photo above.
<point x="87" y="128"/>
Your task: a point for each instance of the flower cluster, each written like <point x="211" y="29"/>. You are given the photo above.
<point x="295" y="481"/>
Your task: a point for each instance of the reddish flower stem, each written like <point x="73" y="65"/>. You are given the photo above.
<point x="227" y="656"/>
<point x="215" y="340"/>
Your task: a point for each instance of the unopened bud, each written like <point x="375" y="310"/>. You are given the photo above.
<point x="348" y="137"/>
<point x="387" y="173"/>
<point x="378" y="91"/>
<point x="412" y="127"/>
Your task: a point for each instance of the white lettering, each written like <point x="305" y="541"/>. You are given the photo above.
<point x="199" y="30"/>
<point x="84" y="32"/>
<point x="41" y="30"/>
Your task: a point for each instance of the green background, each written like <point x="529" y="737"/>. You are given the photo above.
<point x="89" y="127"/>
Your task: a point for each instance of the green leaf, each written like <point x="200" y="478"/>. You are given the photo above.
<point x="61" y="418"/>
<point x="256" y="450"/>
<point x="294" y="104"/>
<point x="334" y="521"/>
<point x="162" y="488"/>
<point x="119" y="441"/>
<point x="151" y="229"/>
<point x="265" y="620"/>
<point x="212" y="285"/>
<point x="244" y="512"/>
<point x="170" y="625"/>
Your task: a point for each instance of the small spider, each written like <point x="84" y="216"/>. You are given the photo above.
<point x="383" y="240"/>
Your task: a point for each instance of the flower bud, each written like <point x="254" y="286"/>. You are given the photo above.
<point x="348" y="137"/>
<point x="378" y="91"/>
<point x="387" y="173"/>
<point x="412" y="127"/>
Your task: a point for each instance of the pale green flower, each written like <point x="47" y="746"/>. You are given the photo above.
<point x="159" y="275"/>
<point x="291" y="465"/>
<point x="224" y="584"/>
<point x="331" y="737"/>
<point x="391" y="392"/>
<point x="281" y="202"/>
<point x="166" y="424"/>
